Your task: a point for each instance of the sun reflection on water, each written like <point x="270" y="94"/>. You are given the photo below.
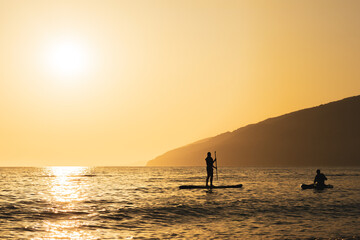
<point x="66" y="229"/>
<point x="68" y="187"/>
<point x="65" y="186"/>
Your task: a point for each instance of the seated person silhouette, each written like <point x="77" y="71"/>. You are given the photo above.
<point x="319" y="179"/>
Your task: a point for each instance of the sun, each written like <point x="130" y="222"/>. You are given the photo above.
<point x="68" y="66"/>
<point x="67" y="59"/>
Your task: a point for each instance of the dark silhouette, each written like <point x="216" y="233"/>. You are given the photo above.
<point x="327" y="135"/>
<point x="319" y="182"/>
<point x="210" y="169"/>
<point x="320" y="178"/>
<point x="202" y="186"/>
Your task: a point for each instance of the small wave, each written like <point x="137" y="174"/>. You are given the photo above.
<point x="82" y="175"/>
<point x="8" y="207"/>
<point x="6" y="217"/>
<point x="95" y="227"/>
<point x="177" y="213"/>
<point x="344" y="175"/>
<point x="118" y="216"/>
<point x="339" y="238"/>
<point x="155" y="179"/>
<point x="101" y="201"/>
<point x="55" y="214"/>
<point x="25" y="229"/>
<point x="31" y="202"/>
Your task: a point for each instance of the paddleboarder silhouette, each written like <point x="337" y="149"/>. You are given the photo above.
<point x="319" y="179"/>
<point x="210" y="169"/>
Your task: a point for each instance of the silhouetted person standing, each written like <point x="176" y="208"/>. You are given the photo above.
<point x="210" y="169"/>
<point x="319" y="179"/>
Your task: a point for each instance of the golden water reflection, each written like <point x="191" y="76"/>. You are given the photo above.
<point x="68" y="186"/>
<point x="66" y="229"/>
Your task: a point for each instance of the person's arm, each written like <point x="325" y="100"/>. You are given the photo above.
<point x="315" y="179"/>
<point x="213" y="164"/>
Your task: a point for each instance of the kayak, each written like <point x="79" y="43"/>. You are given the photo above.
<point x="205" y="187"/>
<point x="313" y="186"/>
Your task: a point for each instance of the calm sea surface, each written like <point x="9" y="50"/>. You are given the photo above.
<point x="145" y="203"/>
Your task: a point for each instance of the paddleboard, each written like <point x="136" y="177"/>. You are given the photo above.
<point x="204" y="187"/>
<point x="312" y="186"/>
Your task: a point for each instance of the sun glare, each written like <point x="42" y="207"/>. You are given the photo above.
<point x="66" y="171"/>
<point x="67" y="59"/>
<point x="63" y="188"/>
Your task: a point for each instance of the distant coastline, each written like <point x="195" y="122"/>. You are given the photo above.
<point x="326" y="135"/>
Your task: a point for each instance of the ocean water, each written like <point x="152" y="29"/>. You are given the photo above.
<point x="145" y="203"/>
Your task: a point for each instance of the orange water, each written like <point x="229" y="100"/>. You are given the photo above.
<point x="145" y="203"/>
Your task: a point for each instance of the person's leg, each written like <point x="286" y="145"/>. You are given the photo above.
<point x="211" y="180"/>
<point x="208" y="176"/>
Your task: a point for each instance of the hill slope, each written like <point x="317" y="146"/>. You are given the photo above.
<point x="327" y="135"/>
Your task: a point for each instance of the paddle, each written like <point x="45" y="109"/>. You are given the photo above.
<point x="216" y="166"/>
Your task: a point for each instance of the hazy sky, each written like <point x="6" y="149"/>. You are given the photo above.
<point x="120" y="82"/>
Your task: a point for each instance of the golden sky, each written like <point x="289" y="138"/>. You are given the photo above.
<point x="120" y="82"/>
